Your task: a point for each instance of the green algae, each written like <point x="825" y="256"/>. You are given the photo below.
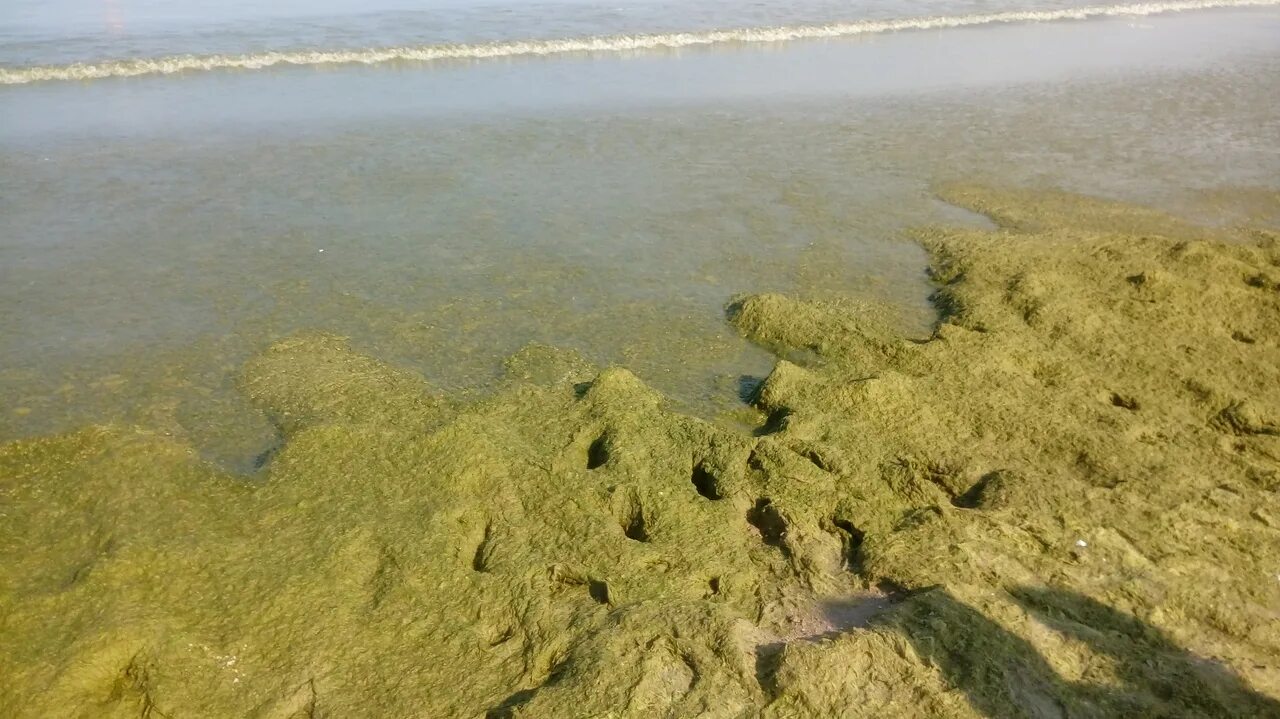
<point x="1061" y="503"/>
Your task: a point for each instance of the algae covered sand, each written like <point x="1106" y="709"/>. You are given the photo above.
<point x="1062" y="503"/>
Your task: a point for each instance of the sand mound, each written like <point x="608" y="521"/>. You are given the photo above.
<point x="1063" y="503"/>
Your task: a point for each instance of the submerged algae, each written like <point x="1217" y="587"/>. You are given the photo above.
<point x="1068" y="493"/>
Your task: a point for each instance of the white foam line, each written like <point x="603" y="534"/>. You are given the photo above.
<point x="602" y="44"/>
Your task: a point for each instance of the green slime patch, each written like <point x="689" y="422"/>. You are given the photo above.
<point x="1063" y="503"/>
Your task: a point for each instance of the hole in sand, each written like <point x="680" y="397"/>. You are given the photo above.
<point x="480" y="560"/>
<point x="635" y="527"/>
<point x="851" y="542"/>
<point x="598" y="590"/>
<point x="706" y="483"/>
<point x="598" y="452"/>
<point x="775" y="423"/>
<point x="972" y="497"/>
<point x="714" y="586"/>
<point x="764" y="516"/>
<point x="1242" y="338"/>
<point x="1124" y="401"/>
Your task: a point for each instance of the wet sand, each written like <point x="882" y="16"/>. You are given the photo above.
<point x="1063" y="496"/>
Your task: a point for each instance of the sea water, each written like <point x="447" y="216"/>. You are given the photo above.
<point x="182" y="183"/>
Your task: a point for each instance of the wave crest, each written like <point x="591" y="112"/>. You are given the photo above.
<point x="599" y="44"/>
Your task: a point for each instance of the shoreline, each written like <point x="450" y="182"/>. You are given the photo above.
<point x="606" y="45"/>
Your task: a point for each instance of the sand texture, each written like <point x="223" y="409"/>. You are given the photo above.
<point x="1062" y="503"/>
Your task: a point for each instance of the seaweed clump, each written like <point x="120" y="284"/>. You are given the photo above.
<point x="1061" y="503"/>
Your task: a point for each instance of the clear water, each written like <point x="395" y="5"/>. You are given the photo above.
<point x="157" y="230"/>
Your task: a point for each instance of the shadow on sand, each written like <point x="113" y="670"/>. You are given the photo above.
<point x="1004" y="676"/>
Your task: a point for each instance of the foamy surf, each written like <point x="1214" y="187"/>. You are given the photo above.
<point x="599" y="44"/>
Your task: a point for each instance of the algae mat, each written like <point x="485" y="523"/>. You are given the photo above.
<point x="1062" y="503"/>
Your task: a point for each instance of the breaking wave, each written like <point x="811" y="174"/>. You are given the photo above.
<point x="600" y="44"/>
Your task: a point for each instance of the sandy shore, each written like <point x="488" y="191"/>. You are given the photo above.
<point x="1062" y="503"/>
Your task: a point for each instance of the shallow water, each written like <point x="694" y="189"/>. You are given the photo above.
<point x="156" y="231"/>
